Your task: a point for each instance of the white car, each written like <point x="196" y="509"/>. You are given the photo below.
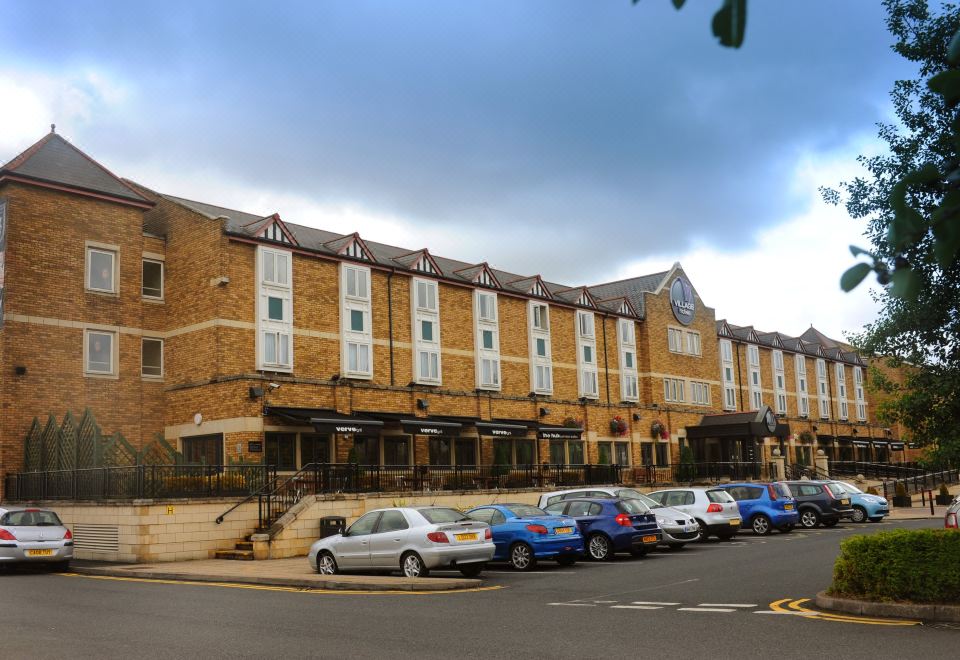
<point x="677" y="528"/>
<point x="31" y="535"/>
<point x="714" y="509"/>
<point x="413" y="540"/>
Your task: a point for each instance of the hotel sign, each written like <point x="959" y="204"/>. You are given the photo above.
<point x="681" y="300"/>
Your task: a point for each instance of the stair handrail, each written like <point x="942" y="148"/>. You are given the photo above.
<point x="249" y="498"/>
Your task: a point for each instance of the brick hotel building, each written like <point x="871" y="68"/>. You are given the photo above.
<point x="244" y="337"/>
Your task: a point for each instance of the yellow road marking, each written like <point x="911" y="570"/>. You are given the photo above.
<point x="795" y="606"/>
<point x="266" y="587"/>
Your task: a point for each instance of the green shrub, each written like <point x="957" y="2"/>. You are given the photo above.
<point x="901" y="489"/>
<point x="921" y="566"/>
<point x="872" y="490"/>
<point x="944" y="490"/>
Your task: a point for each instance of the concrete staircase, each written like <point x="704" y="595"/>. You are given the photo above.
<point x="243" y="551"/>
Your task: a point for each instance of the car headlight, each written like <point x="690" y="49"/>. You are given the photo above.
<point x="661" y="521"/>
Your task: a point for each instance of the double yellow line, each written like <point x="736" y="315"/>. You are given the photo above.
<point x="795" y="606"/>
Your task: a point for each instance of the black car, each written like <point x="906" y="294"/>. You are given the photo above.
<point x="820" y="502"/>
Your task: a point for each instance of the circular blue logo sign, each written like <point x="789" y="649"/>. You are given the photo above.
<point x="681" y="300"/>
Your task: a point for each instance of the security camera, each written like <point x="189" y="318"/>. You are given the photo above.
<point x="273" y="386"/>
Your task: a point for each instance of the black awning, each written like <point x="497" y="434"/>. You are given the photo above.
<point x="428" y="426"/>
<point x="824" y="439"/>
<point x="845" y="439"/>
<point x="751" y="424"/>
<point x="326" y="421"/>
<point x="862" y="444"/>
<point x="501" y="429"/>
<point x="880" y="444"/>
<point x="897" y="446"/>
<point x="545" y="432"/>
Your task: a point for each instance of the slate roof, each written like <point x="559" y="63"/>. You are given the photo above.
<point x="54" y="160"/>
<point x="806" y="343"/>
<point x="632" y="289"/>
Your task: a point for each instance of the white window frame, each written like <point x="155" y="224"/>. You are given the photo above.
<point x="841" y="375"/>
<point x="627" y="344"/>
<point x="114" y="353"/>
<point x="726" y="375"/>
<point x="803" y="393"/>
<point x="674" y="339"/>
<point x="491" y="324"/>
<point x="146" y="376"/>
<point x="539" y="311"/>
<point x="586" y="371"/>
<point x="431" y="348"/>
<point x="693" y="343"/>
<point x="699" y="393"/>
<point x="859" y="394"/>
<point x="756" y="381"/>
<point x="823" y="391"/>
<point x="278" y="283"/>
<point x="674" y="390"/>
<point x="779" y="383"/>
<point x="153" y="259"/>
<point x="360" y="341"/>
<point x="114" y="252"/>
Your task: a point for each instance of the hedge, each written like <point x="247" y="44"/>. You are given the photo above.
<point x="919" y="566"/>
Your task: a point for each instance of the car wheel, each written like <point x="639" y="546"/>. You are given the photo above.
<point x="566" y="560"/>
<point x="521" y="557"/>
<point x="638" y="552"/>
<point x="598" y="547"/>
<point x="809" y="518"/>
<point x="411" y="565"/>
<point x="832" y="523"/>
<point x="702" y="533"/>
<point x="471" y="570"/>
<point x="326" y="564"/>
<point x="760" y="525"/>
<point x="859" y="514"/>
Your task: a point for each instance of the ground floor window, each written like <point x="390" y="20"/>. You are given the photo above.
<point x="366" y="450"/>
<point x="280" y="450"/>
<point x="518" y="451"/>
<point x="663" y="453"/>
<point x="203" y="449"/>
<point x="566" y="452"/>
<point x="456" y="451"/>
<point x="314" y="448"/>
<point x="609" y="453"/>
<point x="396" y="451"/>
<point x="804" y="455"/>
<point x="465" y="451"/>
<point x="646" y="453"/>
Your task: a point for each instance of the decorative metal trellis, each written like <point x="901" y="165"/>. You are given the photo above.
<point x="71" y="446"/>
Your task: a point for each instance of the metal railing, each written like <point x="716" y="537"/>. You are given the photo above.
<point x="137" y="482"/>
<point x="895" y="471"/>
<point x="927" y="480"/>
<point x="708" y="472"/>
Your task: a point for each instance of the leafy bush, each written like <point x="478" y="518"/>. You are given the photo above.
<point x="872" y="490"/>
<point x="944" y="490"/>
<point x="193" y="484"/>
<point x="901" y="489"/>
<point x="921" y="566"/>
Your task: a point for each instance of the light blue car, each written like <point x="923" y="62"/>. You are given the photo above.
<point x="865" y="506"/>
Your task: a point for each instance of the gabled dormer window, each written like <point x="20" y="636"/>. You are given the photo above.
<point x="585" y="300"/>
<point x="355" y="249"/>
<point x="485" y="278"/>
<point x="538" y="289"/>
<point x="273" y="232"/>
<point x="625" y="309"/>
<point x="425" y="265"/>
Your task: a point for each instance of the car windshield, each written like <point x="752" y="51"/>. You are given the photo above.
<point x="437" y="516"/>
<point x="31" y="518"/>
<point x="719" y="496"/>
<point x="631" y="494"/>
<point x="632" y="506"/>
<point x="836" y="490"/>
<point x="526" y="510"/>
<point x="850" y="488"/>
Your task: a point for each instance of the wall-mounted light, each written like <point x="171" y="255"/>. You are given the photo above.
<point x="854" y="431"/>
<point x="422" y="404"/>
<point x="256" y="392"/>
<point x="544" y="412"/>
<point x="815" y="428"/>
<point x="335" y="377"/>
<point x="273" y="386"/>
<point x="20" y="370"/>
<point x="636" y="417"/>
<point x="532" y="395"/>
<point x="412" y="383"/>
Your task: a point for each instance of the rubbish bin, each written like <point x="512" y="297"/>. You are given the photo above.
<point x="330" y="525"/>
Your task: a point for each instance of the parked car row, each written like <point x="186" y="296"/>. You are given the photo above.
<point x="29" y="535"/>
<point x="596" y="523"/>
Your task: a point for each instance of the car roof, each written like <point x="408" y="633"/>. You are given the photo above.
<point x="583" y="489"/>
<point x="591" y="499"/>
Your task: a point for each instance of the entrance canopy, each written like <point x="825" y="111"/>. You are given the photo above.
<point x="433" y="426"/>
<point x="754" y="424"/>
<point x="327" y="421"/>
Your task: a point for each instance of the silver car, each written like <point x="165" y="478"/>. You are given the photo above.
<point x="714" y="509"/>
<point x="677" y="527"/>
<point x="29" y="536"/>
<point x="413" y="540"/>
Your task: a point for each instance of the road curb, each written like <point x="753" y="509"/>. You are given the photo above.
<point x="351" y="583"/>
<point x="924" y="612"/>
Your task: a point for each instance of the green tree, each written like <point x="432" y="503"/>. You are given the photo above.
<point x="910" y="202"/>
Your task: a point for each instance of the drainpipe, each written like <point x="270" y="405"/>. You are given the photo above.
<point x="390" y="320"/>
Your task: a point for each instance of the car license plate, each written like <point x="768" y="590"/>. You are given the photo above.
<point x="844" y="502"/>
<point x="465" y="537"/>
<point x="649" y="539"/>
<point x="39" y="553"/>
<point x="564" y="530"/>
<point x="788" y="507"/>
<point x="734" y="521"/>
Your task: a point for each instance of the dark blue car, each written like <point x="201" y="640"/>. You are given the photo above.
<point x="524" y="533"/>
<point x="765" y="507"/>
<point x="611" y="525"/>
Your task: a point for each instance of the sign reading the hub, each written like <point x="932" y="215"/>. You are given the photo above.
<point x="681" y="300"/>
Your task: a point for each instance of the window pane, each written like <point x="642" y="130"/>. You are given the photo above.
<point x="268" y="267"/>
<point x="576" y="452"/>
<point x="396" y="451"/>
<point x="466" y="452"/>
<point x="628" y="359"/>
<point x="541" y="347"/>
<point x="275" y="308"/>
<point x="352" y="359"/>
<point x="426" y="330"/>
<point x="362" y="284"/>
<point x="284" y="349"/>
<point x="440" y="451"/>
<point x="280" y="449"/>
<point x="435" y="366"/>
<point x="356" y="320"/>
<point x="270" y="347"/>
<point x="101" y="270"/>
<point x="100" y="352"/>
<point x="487" y="336"/>
<point x="588" y="354"/>
<point x="282" y="268"/>
<point x="364" y="352"/>
<point x="203" y="450"/>
<point x="424" y="364"/>
<point x="152" y="286"/>
<point x="152" y="357"/>
<point x="524" y="449"/>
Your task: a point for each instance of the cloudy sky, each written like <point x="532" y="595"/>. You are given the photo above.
<point x="586" y="141"/>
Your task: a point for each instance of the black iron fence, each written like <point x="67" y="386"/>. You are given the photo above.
<point x="926" y="480"/>
<point x="138" y="482"/>
<point x="875" y="470"/>
<point x="710" y="472"/>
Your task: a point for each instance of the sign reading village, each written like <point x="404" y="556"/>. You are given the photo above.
<point x="681" y="300"/>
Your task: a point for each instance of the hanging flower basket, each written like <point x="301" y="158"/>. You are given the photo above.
<point x="572" y="423"/>
<point x="618" y="427"/>
<point x="806" y="436"/>
<point x="658" y="430"/>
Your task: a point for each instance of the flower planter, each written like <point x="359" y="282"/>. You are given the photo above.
<point x="905" y="501"/>
<point x="944" y="499"/>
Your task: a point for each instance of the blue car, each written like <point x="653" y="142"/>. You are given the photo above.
<point x="865" y="506"/>
<point x="765" y="507"/>
<point x="611" y="525"/>
<point x="524" y="533"/>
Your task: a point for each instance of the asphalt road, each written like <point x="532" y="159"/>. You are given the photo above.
<point x="707" y="600"/>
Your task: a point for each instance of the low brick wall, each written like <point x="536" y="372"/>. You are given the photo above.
<point x="177" y="530"/>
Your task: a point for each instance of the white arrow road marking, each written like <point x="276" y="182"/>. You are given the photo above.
<point x="636" y="607"/>
<point x="705" y="609"/>
<point x="728" y="605"/>
<point x="652" y="602"/>
<point x="574" y="604"/>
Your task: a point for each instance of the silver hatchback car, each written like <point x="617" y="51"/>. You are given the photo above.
<point x="29" y="536"/>
<point x="714" y="509"/>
